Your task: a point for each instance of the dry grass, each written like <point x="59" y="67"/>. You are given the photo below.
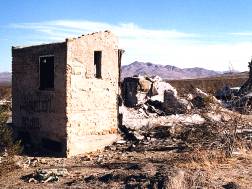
<point x="209" y="85"/>
<point x="5" y="92"/>
<point x="8" y="147"/>
<point x="198" y="159"/>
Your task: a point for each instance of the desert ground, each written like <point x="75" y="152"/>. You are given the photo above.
<point x="204" y="147"/>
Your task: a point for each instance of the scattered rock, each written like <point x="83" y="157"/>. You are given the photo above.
<point x="46" y="175"/>
<point x="43" y="161"/>
<point x="138" y="90"/>
<point x="86" y="158"/>
<point x="227" y="93"/>
<point x="199" y="102"/>
<point x="121" y="142"/>
<point x="231" y="185"/>
<point x="172" y="105"/>
<point x="138" y="135"/>
<point x="89" y="178"/>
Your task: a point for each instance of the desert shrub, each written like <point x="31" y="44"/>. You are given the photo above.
<point x="209" y="85"/>
<point x="5" y="92"/>
<point x="8" y="147"/>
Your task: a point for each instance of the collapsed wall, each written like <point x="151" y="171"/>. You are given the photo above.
<point x="138" y="90"/>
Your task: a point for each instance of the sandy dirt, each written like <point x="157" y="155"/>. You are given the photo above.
<point x="158" y="163"/>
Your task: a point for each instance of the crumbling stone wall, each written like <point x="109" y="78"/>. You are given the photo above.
<point x="92" y="109"/>
<point x="39" y="115"/>
<point x="81" y="112"/>
<point x="129" y="91"/>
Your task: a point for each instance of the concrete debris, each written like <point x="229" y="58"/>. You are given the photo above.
<point x="151" y="95"/>
<point x="189" y="119"/>
<point x="158" y="112"/>
<point x="227" y="93"/>
<point x="129" y="91"/>
<point x="128" y="133"/>
<point x="138" y="90"/>
<point x="144" y="84"/>
<point x="86" y="157"/>
<point x="245" y="133"/>
<point x="173" y="105"/>
<point x="154" y="96"/>
<point x="242" y="104"/>
<point x="199" y="92"/>
<point x="173" y="114"/>
<point x="189" y="97"/>
<point x="31" y="162"/>
<point x="46" y="175"/>
<point x="247" y="86"/>
<point x="238" y="98"/>
<point x="4" y="102"/>
<point x="204" y="95"/>
<point x="161" y="87"/>
<point x="172" y="133"/>
<point x="154" y="107"/>
<point x="138" y="135"/>
<point x="217" y="117"/>
<point x="134" y="120"/>
<point x="3" y="156"/>
<point x="132" y="126"/>
<point x="198" y="102"/>
<point x="120" y="141"/>
<point x="204" y="100"/>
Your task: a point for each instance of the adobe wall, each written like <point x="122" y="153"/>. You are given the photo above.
<point x="40" y="113"/>
<point x="92" y="109"/>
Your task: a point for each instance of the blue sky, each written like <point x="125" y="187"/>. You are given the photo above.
<point x="214" y="34"/>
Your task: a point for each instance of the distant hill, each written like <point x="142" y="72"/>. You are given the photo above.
<point x="165" y="71"/>
<point x="236" y="74"/>
<point x="5" y="78"/>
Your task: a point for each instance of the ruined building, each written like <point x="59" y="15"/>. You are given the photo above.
<point x="65" y="94"/>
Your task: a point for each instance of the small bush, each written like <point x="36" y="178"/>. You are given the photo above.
<point x="8" y="148"/>
<point x="5" y="92"/>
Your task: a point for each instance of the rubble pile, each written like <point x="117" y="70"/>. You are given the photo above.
<point x="238" y="98"/>
<point x="152" y="95"/>
<point x="153" y="109"/>
<point x="227" y="93"/>
<point x="174" y="105"/>
<point x="138" y="90"/>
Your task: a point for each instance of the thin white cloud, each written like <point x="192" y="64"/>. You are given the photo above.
<point x="161" y="46"/>
<point x="247" y="34"/>
<point x="129" y="30"/>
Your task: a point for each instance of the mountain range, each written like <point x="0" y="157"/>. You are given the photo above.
<point x="149" y="69"/>
<point x="5" y="78"/>
<point x="165" y="71"/>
